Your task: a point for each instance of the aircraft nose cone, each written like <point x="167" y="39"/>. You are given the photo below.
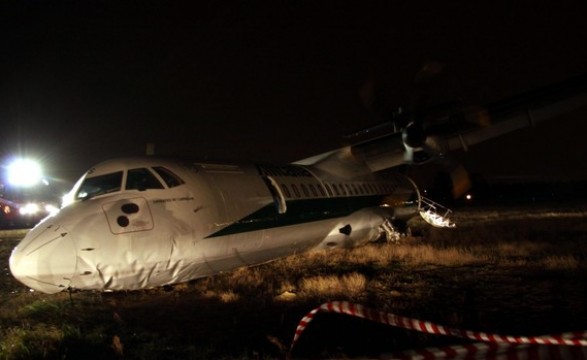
<point x="45" y="260"/>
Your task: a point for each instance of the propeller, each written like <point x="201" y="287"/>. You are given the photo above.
<point x="424" y="127"/>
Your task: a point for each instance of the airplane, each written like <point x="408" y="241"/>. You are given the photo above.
<point x="144" y="222"/>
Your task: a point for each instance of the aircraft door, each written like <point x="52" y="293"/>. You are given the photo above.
<point x="277" y="194"/>
<point x="149" y="246"/>
<point x="128" y="215"/>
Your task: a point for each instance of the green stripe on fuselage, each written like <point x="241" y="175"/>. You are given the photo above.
<point x="299" y="212"/>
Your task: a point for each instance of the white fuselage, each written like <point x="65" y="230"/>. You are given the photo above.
<point x="186" y="220"/>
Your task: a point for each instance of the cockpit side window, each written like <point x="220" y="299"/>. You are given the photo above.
<point x="141" y="179"/>
<point x="98" y="185"/>
<point x="169" y="177"/>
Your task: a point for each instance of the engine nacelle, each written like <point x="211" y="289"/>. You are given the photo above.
<point x="413" y="135"/>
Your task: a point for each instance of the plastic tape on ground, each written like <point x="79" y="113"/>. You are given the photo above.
<point x="567" y="345"/>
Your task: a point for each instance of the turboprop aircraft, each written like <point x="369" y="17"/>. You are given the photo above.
<point x="143" y="222"/>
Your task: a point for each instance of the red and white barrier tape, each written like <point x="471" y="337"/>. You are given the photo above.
<point x="494" y="343"/>
<point x="493" y="351"/>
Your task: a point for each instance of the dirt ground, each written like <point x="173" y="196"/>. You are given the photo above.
<point x="517" y="296"/>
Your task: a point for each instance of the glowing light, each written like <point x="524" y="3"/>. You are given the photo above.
<point x="24" y="172"/>
<point x="51" y="209"/>
<point x="468" y="197"/>
<point x="29" y="209"/>
<point x="33" y="209"/>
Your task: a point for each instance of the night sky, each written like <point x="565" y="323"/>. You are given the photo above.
<point x="278" y="81"/>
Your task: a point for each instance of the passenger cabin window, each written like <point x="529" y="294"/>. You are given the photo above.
<point x="142" y="179"/>
<point x="285" y="190"/>
<point x="328" y="190"/>
<point x="305" y="190"/>
<point x="313" y="190"/>
<point x="295" y="190"/>
<point x="99" y="185"/>
<point x="169" y="177"/>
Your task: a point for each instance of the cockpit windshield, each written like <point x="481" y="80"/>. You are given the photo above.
<point x="142" y="179"/>
<point x="169" y="177"/>
<point x="98" y="185"/>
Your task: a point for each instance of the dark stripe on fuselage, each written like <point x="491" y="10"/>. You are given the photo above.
<point x="299" y="212"/>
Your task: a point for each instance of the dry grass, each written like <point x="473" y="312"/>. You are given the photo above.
<point x="519" y="249"/>
<point x="410" y="252"/>
<point x="415" y="252"/>
<point x="560" y="262"/>
<point x="349" y="285"/>
<point x="427" y="254"/>
<point x="229" y="296"/>
<point x="246" y="278"/>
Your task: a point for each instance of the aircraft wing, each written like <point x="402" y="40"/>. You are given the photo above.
<point x="522" y="111"/>
<point x="389" y="148"/>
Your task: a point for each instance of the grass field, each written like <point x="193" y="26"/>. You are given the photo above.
<point x="519" y="272"/>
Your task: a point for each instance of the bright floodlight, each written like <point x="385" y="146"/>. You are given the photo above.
<point x="24" y="172"/>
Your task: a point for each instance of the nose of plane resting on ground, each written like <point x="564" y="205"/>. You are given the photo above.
<point x="45" y="260"/>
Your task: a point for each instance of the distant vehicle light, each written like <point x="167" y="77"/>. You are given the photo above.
<point x="29" y="209"/>
<point x="32" y="209"/>
<point x="24" y="172"/>
<point x="51" y="209"/>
